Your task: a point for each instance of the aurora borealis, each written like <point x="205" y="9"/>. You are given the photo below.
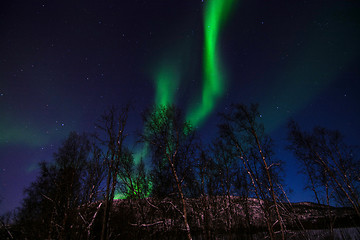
<point x="167" y="78"/>
<point x="215" y="15"/>
<point x="167" y="82"/>
<point x="62" y="64"/>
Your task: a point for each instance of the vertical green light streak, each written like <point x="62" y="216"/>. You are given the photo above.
<point x="216" y="13"/>
<point x="166" y="81"/>
<point x="141" y="153"/>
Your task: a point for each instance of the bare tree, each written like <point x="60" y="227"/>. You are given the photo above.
<point x="113" y="125"/>
<point x="226" y="169"/>
<point x="93" y="178"/>
<point x="5" y="220"/>
<point x="334" y="161"/>
<point x="133" y="178"/>
<point x="204" y="167"/>
<point x="171" y="140"/>
<point x="241" y="130"/>
<point x="53" y="202"/>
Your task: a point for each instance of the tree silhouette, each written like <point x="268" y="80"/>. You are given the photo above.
<point x="240" y="128"/>
<point x="329" y="163"/>
<point x="171" y="140"/>
<point x="51" y="205"/>
<point x="112" y="124"/>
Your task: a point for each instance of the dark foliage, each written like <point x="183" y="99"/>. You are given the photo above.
<point x="51" y="205"/>
<point x="168" y="135"/>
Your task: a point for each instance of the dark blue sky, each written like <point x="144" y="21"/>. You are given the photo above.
<point x="62" y="64"/>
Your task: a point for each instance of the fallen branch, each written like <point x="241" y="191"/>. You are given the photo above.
<point x="147" y="224"/>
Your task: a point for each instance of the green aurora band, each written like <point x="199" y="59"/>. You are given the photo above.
<point x="216" y="12"/>
<point x="15" y="133"/>
<point x="167" y="82"/>
<point x="167" y="77"/>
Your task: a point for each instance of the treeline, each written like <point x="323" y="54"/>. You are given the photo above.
<point x="73" y="196"/>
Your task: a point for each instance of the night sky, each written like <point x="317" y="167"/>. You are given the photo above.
<point x="63" y="63"/>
